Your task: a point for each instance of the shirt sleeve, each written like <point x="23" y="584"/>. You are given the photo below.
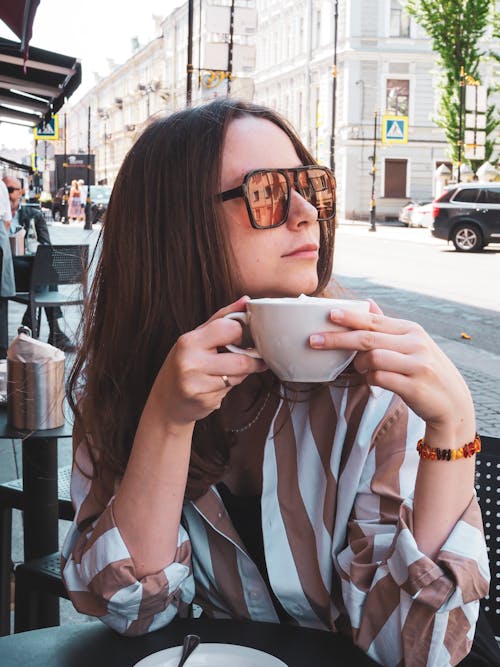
<point x="404" y="607"/>
<point x="5" y="210"/>
<point x="99" y="572"/>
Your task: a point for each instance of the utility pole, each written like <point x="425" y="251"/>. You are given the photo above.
<point x="334" y="86"/>
<point x="189" y="67"/>
<point x="65" y="170"/>
<point x="373" y="207"/>
<point x="88" y="214"/>
<point x="460" y="121"/>
<point x="230" y="48"/>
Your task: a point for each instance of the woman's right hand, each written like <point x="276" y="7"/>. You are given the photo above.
<point x="190" y="385"/>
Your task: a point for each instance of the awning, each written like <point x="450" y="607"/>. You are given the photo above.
<point x="19" y="16"/>
<point x="16" y="165"/>
<point x="40" y="85"/>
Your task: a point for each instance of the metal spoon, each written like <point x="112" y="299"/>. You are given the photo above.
<point x="190" y="643"/>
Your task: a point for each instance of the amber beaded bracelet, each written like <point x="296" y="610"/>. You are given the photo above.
<point x="437" y="454"/>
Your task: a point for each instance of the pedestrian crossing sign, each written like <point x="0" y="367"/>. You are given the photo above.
<point x="395" y="129"/>
<point x="47" y="130"/>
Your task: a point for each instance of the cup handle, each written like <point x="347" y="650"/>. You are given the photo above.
<point x="249" y="351"/>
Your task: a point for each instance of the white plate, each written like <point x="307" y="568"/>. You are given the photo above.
<point x="212" y="655"/>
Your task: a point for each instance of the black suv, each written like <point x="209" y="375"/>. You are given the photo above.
<point x="468" y="214"/>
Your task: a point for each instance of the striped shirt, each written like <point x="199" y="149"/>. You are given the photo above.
<point x="338" y="477"/>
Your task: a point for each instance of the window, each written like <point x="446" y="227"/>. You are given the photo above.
<point x="466" y="195"/>
<point x="493" y="196"/>
<point x="483" y="197"/>
<point x="400" y="21"/>
<point x="397" y="96"/>
<point x="395" y="178"/>
<point x="317" y="39"/>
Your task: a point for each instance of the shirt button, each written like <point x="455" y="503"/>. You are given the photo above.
<point x="220" y="515"/>
<point x="254" y="595"/>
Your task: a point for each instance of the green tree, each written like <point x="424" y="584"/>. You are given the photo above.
<point x="456" y="28"/>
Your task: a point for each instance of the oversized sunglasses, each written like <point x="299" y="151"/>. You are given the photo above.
<point x="267" y="193"/>
<point x="12" y="189"/>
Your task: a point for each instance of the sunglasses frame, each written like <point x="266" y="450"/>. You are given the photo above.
<point x="242" y="191"/>
<point x="11" y="189"/>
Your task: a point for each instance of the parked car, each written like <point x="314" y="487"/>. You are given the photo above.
<point x="468" y="214"/>
<point x="421" y="215"/>
<point x="405" y="213"/>
<point x="99" y="199"/>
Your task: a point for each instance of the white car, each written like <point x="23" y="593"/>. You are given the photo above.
<point x="421" y="215"/>
<point x="405" y="213"/>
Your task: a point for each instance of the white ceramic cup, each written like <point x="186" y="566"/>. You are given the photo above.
<point x="280" y="329"/>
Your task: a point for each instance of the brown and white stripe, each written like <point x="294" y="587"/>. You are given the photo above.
<point x="338" y="478"/>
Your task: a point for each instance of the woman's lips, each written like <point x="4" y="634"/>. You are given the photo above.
<point x="308" y="251"/>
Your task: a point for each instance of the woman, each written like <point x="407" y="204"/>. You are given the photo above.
<point x="75" y="201"/>
<point x="197" y="476"/>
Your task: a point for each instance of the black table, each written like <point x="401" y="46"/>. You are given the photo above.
<point x="94" y="645"/>
<point x="41" y="518"/>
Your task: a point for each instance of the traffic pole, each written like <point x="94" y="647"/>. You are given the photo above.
<point x="373" y="206"/>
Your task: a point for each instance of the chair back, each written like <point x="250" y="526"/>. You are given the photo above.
<point x="60" y="265"/>
<point x="488" y="493"/>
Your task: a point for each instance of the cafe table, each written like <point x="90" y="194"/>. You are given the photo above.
<point x="92" y="644"/>
<point x="39" y="457"/>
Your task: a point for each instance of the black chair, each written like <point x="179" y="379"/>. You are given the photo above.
<point x="488" y="493"/>
<point x="11" y="497"/>
<point x="55" y="266"/>
<point x="41" y="575"/>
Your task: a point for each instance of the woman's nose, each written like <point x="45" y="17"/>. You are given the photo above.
<point x="301" y="211"/>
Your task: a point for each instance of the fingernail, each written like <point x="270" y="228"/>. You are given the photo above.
<point x="317" y="340"/>
<point x="336" y="314"/>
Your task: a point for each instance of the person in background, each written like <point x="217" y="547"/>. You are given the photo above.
<point x="84" y="189"/>
<point x="21" y="216"/>
<point x="8" y="287"/>
<point x="199" y="477"/>
<point x="75" y="202"/>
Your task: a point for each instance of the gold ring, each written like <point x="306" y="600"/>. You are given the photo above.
<point x="225" y="379"/>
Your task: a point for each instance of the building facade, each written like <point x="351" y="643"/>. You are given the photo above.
<point x="110" y="116"/>
<point x="385" y="65"/>
<point x="283" y="55"/>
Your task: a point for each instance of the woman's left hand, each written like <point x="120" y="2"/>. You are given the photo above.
<point x="400" y="356"/>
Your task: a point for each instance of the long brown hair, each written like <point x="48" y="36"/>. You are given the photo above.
<point x="165" y="267"/>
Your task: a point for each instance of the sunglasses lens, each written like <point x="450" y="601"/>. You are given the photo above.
<point x="267" y="193"/>
<point x="318" y="188"/>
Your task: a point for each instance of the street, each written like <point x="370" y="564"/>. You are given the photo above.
<point x="414" y="276"/>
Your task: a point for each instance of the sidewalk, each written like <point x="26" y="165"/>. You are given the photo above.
<point x="481" y="371"/>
